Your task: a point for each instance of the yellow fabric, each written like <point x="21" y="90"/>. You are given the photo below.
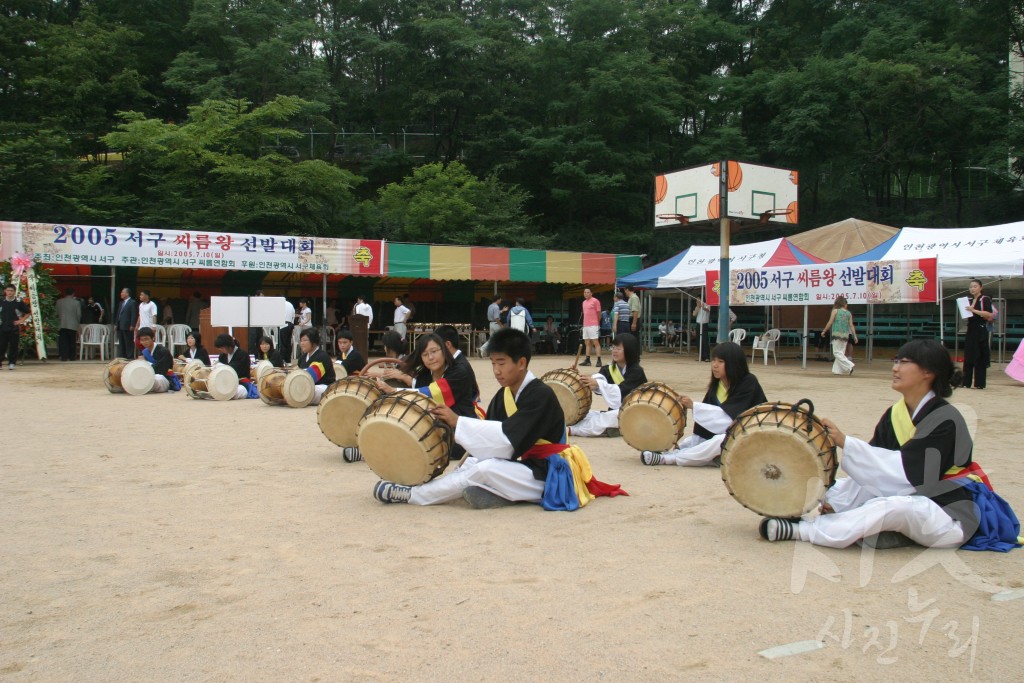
<point x="581" y="472"/>
<point x="613" y="370"/>
<point x="510" y="403"/>
<point x="722" y="394"/>
<point x="955" y="470"/>
<point x="902" y="424"/>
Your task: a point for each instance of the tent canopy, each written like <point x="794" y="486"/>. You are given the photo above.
<point x="840" y="241"/>
<point x="990" y="251"/>
<point x="688" y="267"/>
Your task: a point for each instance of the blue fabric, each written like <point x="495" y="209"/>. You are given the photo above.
<point x="648" y="277"/>
<point x="251" y="391"/>
<point x="148" y="356"/>
<point x="174" y="382"/>
<point x="998" y="527"/>
<point x="559" y="489"/>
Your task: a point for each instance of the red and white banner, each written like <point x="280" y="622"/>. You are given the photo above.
<point x="865" y="282"/>
<point x="191" y="249"/>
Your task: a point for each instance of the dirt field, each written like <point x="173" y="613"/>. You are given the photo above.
<point x="159" y="538"/>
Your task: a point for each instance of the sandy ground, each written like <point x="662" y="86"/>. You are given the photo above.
<point x="160" y="538"/>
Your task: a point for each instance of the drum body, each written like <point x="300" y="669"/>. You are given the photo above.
<point x="778" y="460"/>
<point x="342" y="406"/>
<point x="401" y="441"/>
<point x="180" y="366"/>
<point x="137" y="377"/>
<point x="258" y="370"/>
<point x="219" y="383"/>
<point x="652" y="418"/>
<point x="279" y="387"/>
<point x="112" y="375"/>
<point x="572" y="391"/>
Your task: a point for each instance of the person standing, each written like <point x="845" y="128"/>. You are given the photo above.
<point x="702" y="315"/>
<point x="519" y="317"/>
<point x="634" y="308"/>
<point x="591" y="326"/>
<point x="284" y="338"/>
<point x="147" y="312"/>
<point x="977" y="353"/>
<point x="195" y="304"/>
<point x="127" y="320"/>
<point x="843" y="330"/>
<point x="621" y="315"/>
<point x="494" y="312"/>
<point x="363" y="308"/>
<point x="69" y="312"/>
<point x="10" y="325"/>
<point x="402" y="313"/>
<point x="94" y="311"/>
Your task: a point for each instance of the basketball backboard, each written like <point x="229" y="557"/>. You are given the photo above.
<point x="690" y="196"/>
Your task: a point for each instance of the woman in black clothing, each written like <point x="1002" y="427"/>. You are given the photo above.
<point x="195" y="350"/>
<point x="265" y="351"/>
<point x="977" y="354"/>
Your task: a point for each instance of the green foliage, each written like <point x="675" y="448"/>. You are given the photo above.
<point x="448" y="205"/>
<point x="560" y="113"/>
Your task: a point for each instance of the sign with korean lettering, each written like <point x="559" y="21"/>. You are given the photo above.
<point x="199" y="249"/>
<point x="865" y="282"/>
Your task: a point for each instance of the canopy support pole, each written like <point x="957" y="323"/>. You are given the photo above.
<point x="803" y="341"/>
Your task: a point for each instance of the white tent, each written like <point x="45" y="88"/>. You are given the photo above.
<point x="991" y="251"/>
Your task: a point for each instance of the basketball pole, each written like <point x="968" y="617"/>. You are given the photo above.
<point x="723" y="267"/>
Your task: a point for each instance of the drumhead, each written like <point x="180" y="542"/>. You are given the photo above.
<point x="112" y="375"/>
<point x="342" y="406"/>
<point x="400" y="441"/>
<point x="776" y="470"/>
<point x="222" y="383"/>
<point x="260" y="369"/>
<point x="138" y="377"/>
<point x="648" y="427"/>
<point x="299" y="389"/>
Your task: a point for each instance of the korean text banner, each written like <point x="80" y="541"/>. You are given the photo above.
<point x="866" y="282"/>
<point x="200" y="249"/>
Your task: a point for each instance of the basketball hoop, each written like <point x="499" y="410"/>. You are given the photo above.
<point x="765" y="215"/>
<point x="677" y="217"/>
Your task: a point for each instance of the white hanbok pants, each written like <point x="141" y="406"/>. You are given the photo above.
<point x="318" y="393"/>
<point x="694" y="451"/>
<point x="595" y="422"/>
<point x="505" y="478"/>
<point x="160" y="385"/>
<point x="882" y="504"/>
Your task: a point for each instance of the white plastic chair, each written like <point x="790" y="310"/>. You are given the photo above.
<point x="93" y="335"/>
<point x="327" y="338"/>
<point x="738" y="335"/>
<point x="766" y="342"/>
<point x="160" y="333"/>
<point x="111" y="340"/>
<point x="177" y="334"/>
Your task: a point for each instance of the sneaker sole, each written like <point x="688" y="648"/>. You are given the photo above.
<point x="482" y="499"/>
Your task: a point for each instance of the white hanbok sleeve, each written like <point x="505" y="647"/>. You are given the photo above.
<point x="612" y="392"/>
<point x="711" y="418"/>
<point x="879" y="470"/>
<point x="483" y="438"/>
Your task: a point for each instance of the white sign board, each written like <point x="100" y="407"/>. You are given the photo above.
<point x="245" y="311"/>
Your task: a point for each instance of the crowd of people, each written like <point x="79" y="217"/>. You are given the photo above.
<point x="914" y="480"/>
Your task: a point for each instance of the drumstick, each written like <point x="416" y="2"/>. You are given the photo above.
<point x="578" y="353"/>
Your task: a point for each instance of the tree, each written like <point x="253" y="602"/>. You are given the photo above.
<point x="449" y="205"/>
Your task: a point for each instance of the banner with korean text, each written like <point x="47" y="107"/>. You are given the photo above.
<point x="198" y="249"/>
<point x="867" y="282"/>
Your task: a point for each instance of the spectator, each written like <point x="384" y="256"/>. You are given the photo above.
<point x="69" y="312"/>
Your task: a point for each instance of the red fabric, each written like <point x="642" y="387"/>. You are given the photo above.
<point x="975" y="469"/>
<point x="446" y="392"/>
<point x="544" y="450"/>
<point x="599" y="488"/>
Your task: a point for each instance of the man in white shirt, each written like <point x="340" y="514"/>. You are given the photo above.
<point x="363" y="308"/>
<point x="401" y="315"/>
<point x="147" y="310"/>
<point x="285" y="335"/>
